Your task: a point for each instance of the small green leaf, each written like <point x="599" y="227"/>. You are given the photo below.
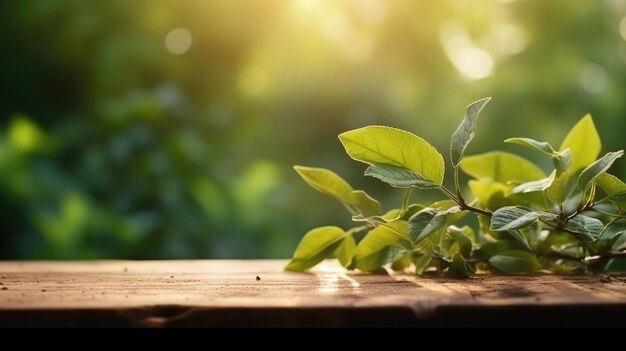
<point x="534" y="186"/>
<point x="402" y="262"/>
<point x="590" y="227"/>
<point x="501" y="167"/>
<point x="326" y="181"/>
<point x="364" y="204"/>
<point x="379" y="145"/>
<point x="377" y="247"/>
<point x="421" y="263"/>
<point x="460" y="239"/>
<point x="466" y="131"/>
<point x="345" y="251"/>
<point x="561" y="188"/>
<point x="428" y="221"/>
<point x="329" y="183"/>
<point x="562" y="161"/>
<point x="584" y="143"/>
<point x="316" y="245"/>
<point x="399" y="177"/>
<point x="541" y="146"/>
<point x="513" y="262"/>
<point x="460" y="268"/>
<point x="611" y="184"/>
<point x="511" y="218"/>
<point x="596" y="169"/>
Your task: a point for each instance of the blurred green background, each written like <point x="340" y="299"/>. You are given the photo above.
<point x="167" y="129"/>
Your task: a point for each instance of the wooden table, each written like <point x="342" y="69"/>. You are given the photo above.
<point x="228" y="293"/>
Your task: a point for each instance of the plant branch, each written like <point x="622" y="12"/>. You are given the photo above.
<point x="463" y="205"/>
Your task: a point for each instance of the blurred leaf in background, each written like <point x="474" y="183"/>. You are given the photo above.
<point x="167" y="129"/>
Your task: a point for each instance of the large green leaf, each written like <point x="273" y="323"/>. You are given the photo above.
<point x="501" y="167"/>
<point x="590" y="227"/>
<point x="584" y="143"/>
<point x="541" y="146"/>
<point x="345" y="251"/>
<point x="399" y="177"/>
<point x="596" y="169"/>
<point x="428" y="221"/>
<point x="513" y="262"/>
<point x="377" y="247"/>
<point x="316" y="245"/>
<point x="512" y="218"/>
<point x="379" y="145"/>
<point x="466" y="131"/>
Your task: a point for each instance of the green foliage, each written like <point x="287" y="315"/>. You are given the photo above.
<point x="527" y="222"/>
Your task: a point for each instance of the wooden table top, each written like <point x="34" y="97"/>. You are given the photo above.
<point x="228" y="293"/>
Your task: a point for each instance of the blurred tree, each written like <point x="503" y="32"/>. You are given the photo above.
<point x="161" y="129"/>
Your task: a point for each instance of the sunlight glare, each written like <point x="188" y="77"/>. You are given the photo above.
<point x="471" y="61"/>
<point x="178" y="41"/>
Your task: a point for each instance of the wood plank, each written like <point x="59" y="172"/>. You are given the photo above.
<point x="227" y="293"/>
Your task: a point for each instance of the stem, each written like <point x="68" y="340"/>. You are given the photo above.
<point x="406" y="198"/>
<point x="448" y="193"/>
<point x="457" y="186"/>
<point x="463" y="205"/>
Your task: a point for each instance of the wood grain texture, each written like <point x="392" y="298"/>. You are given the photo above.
<point x="227" y="293"/>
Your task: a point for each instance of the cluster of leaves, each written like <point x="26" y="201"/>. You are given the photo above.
<point x="567" y="222"/>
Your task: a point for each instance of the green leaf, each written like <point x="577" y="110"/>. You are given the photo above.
<point x="399" y="177"/>
<point x="513" y="262"/>
<point x="534" y="186"/>
<point x="541" y="146"/>
<point x="561" y="188"/>
<point x="466" y="131"/>
<point x="501" y="167"/>
<point x="460" y="268"/>
<point x="329" y="183"/>
<point x="498" y="247"/>
<point x="377" y="247"/>
<point x="428" y="221"/>
<point x="490" y="195"/>
<point x="511" y="218"/>
<point x="596" y="169"/>
<point x="326" y="181"/>
<point x="611" y="184"/>
<point x="364" y="204"/>
<point x="379" y="145"/>
<point x="590" y="227"/>
<point x="562" y="161"/>
<point x="461" y="242"/>
<point x="584" y="143"/>
<point x="316" y="245"/>
<point x="421" y="263"/>
<point x="345" y="251"/>
<point x="402" y="262"/>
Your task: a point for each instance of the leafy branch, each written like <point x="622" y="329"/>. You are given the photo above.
<point x="525" y="220"/>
